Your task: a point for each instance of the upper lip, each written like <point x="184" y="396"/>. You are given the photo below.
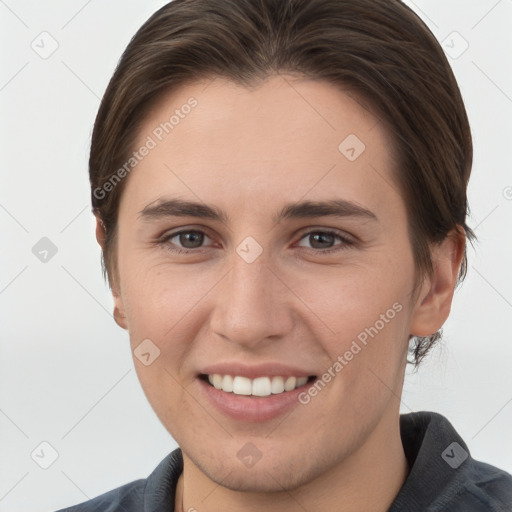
<point x="271" y="369"/>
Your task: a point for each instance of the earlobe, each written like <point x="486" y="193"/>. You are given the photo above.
<point x="434" y="302"/>
<point x="119" y="309"/>
<point x="119" y="313"/>
<point x="101" y="232"/>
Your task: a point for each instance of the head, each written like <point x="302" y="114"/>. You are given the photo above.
<point x="248" y="107"/>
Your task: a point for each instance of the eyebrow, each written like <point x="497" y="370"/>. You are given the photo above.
<point x="163" y="208"/>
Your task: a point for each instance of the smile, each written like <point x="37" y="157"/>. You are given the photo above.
<point x="260" y="386"/>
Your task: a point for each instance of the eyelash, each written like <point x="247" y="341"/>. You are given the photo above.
<point x="164" y="241"/>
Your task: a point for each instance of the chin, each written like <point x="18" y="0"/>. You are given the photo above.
<point x="280" y="472"/>
<point x="257" y="480"/>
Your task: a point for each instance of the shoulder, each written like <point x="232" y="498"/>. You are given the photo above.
<point x="444" y="477"/>
<point x="483" y="487"/>
<point x="152" y="494"/>
<point x="129" y="497"/>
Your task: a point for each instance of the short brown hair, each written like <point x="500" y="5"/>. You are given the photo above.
<point x="380" y="49"/>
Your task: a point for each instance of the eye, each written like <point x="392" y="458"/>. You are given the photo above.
<point x="186" y="241"/>
<point x="323" y="240"/>
<point x="189" y="241"/>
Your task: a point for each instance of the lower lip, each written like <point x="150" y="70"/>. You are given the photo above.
<point x="252" y="408"/>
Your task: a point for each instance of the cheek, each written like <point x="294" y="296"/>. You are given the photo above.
<point x="367" y="351"/>
<point x="367" y="311"/>
<point x="162" y="303"/>
<point x="355" y="300"/>
<point x="161" y="300"/>
<point x="358" y="301"/>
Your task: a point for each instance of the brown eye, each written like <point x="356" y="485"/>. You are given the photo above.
<point x="184" y="241"/>
<point x="190" y="239"/>
<point x="321" y="240"/>
<point x="324" y="241"/>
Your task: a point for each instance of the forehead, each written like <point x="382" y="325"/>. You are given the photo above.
<point x="287" y="136"/>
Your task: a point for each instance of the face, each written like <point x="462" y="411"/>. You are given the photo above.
<point x="296" y="262"/>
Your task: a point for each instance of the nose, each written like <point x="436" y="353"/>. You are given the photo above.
<point x="253" y="305"/>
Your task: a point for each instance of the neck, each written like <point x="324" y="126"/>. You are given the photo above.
<point x="369" y="479"/>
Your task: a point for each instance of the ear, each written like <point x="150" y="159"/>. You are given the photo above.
<point x="101" y="232"/>
<point x="435" y="298"/>
<point x="119" y="310"/>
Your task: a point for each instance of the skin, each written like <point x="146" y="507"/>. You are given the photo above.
<point x="248" y="152"/>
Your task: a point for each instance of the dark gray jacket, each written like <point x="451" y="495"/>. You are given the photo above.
<point x="443" y="477"/>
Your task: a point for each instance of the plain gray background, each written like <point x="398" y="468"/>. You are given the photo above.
<point x="66" y="373"/>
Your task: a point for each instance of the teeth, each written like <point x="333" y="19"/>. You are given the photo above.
<point x="217" y="381"/>
<point x="261" y="386"/>
<point x="277" y="385"/>
<point x="241" y="386"/>
<point x="301" y="381"/>
<point x="289" y="383"/>
<point x="227" y="383"/>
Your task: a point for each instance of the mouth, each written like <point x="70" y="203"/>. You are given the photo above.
<point x="259" y="387"/>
